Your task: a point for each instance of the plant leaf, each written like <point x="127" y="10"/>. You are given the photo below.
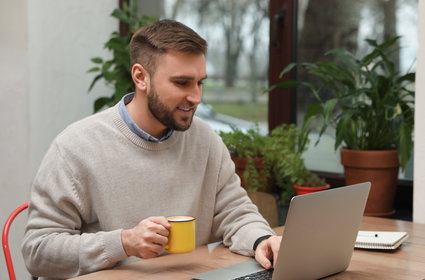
<point x="94" y="69"/>
<point x="101" y="102"/>
<point x="94" y="81"/>
<point x="97" y="60"/>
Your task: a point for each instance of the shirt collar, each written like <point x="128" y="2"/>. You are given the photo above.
<point x="133" y="126"/>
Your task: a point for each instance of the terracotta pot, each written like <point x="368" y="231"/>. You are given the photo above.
<point x="299" y="190"/>
<point x="240" y="164"/>
<point x="378" y="167"/>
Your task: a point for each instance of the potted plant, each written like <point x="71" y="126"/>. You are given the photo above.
<point x="371" y="108"/>
<point x="247" y="151"/>
<point x="311" y="182"/>
<point x="284" y="152"/>
<point x="272" y="164"/>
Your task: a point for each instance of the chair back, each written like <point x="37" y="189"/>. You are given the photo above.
<point x="5" y="239"/>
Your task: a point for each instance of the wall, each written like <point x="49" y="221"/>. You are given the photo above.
<point x="63" y="36"/>
<point x="419" y="158"/>
<point x="45" y="51"/>
<point x="14" y="116"/>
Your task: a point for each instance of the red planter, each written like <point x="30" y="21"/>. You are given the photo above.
<point x="299" y="190"/>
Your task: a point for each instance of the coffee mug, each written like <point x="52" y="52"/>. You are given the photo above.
<point x="181" y="238"/>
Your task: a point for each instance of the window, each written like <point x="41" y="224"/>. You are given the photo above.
<point x="237" y="33"/>
<point x="327" y="24"/>
<point x="242" y="61"/>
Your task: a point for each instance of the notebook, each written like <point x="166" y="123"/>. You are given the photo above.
<point x="318" y="239"/>
<point x="382" y="240"/>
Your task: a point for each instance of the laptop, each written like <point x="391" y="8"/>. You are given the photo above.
<point x="318" y="238"/>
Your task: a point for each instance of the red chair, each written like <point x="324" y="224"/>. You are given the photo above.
<point x="5" y="239"/>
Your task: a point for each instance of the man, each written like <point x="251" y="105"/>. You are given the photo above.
<point x="107" y="183"/>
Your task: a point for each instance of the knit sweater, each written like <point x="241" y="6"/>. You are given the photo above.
<point x="99" y="178"/>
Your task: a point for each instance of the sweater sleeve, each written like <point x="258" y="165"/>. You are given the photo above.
<point x="55" y="244"/>
<point x="236" y="218"/>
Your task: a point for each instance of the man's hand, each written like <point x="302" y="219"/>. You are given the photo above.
<point x="267" y="251"/>
<point x="147" y="239"/>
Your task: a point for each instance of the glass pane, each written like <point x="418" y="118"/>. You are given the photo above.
<point x="327" y="24"/>
<point x="237" y="61"/>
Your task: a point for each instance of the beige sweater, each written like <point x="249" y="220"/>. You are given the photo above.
<point x="98" y="178"/>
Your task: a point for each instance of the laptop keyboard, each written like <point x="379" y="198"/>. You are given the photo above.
<point x="261" y="275"/>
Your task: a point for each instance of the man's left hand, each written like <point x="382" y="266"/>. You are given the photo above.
<point x="267" y="251"/>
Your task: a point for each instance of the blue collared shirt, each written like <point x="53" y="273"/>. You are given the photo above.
<point x="133" y="126"/>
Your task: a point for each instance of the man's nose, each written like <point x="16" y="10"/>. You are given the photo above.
<point x="195" y="95"/>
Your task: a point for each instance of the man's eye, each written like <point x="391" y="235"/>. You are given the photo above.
<point x="200" y="83"/>
<point x="181" y="83"/>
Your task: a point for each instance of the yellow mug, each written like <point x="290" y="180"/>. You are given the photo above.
<point x="181" y="238"/>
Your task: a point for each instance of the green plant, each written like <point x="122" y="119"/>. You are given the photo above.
<point x="371" y="105"/>
<point x="312" y="180"/>
<point x="281" y="153"/>
<point x="117" y="71"/>
<point x="284" y="150"/>
<point x="248" y="145"/>
<point x="244" y="144"/>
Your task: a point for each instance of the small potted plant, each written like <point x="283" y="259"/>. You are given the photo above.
<point x="284" y="151"/>
<point x="272" y="163"/>
<point x="371" y="107"/>
<point x="247" y="151"/>
<point x="309" y="183"/>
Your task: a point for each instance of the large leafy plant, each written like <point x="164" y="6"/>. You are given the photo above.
<point x="116" y="71"/>
<point x="371" y="105"/>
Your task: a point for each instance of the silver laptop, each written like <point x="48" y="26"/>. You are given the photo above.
<point x="318" y="239"/>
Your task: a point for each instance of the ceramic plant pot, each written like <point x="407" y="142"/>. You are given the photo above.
<point x="378" y="167"/>
<point x="240" y="165"/>
<point x="299" y="190"/>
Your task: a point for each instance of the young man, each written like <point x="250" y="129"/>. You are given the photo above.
<point x="108" y="181"/>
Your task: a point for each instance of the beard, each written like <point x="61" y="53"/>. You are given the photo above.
<point x="164" y="115"/>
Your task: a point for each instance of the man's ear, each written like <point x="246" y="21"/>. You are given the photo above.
<point x="141" y="78"/>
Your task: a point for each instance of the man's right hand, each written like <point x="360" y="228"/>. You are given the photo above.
<point x="147" y="239"/>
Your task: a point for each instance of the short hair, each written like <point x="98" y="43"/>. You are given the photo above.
<point x="155" y="39"/>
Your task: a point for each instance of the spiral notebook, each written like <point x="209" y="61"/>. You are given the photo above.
<point x="381" y="240"/>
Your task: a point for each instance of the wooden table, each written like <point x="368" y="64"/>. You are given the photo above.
<point x="407" y="262"/>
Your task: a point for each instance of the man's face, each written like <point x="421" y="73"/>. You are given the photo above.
<point x="176" y="89"/>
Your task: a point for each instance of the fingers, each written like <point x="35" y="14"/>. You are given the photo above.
<point x="268" y="250"/>
<point x="275" y="247"/>
<point x="160" y="220"/>
<point x="147" y="239"/>
<point x="262" y="259"/>
<point x="155" y="235"/>
<point x="158" y="225"/>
